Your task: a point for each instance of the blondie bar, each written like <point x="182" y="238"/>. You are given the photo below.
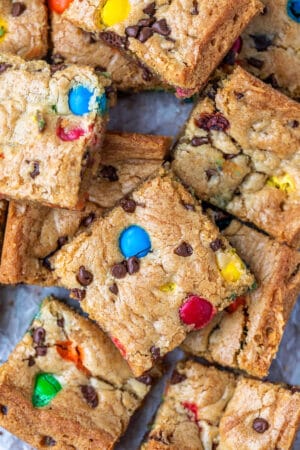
<point x="52" y="124"/>
<point x="73" y="45"/>
<point x="270" y="46"/>
<point x="34" y="232"/>
<point x="152" y="270"/>
<point x="66" y="385"/>
<point x="24" y="28"/>
<point x="182" y="41"/>
<point x="205" y="408"/>
<point x="241" y="152"/>
<point x="247" y="335"/>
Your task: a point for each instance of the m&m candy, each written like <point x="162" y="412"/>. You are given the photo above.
<point x="293" y="9"/>
<point x="134" y="241"/>
<point x="80" y="98"/>
<point x="45" y="389"/>
<point x="114" y="12"/>
<point x="59" y="6"/>
<point x="196" y="311"/>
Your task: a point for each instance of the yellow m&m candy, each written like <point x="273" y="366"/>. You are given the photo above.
<point x="3" y="29"/>
<point x="284" y="183"/>
<point x="168" y="287"/>
<point x="114" y="12"/>
<point x="230" y="265"/>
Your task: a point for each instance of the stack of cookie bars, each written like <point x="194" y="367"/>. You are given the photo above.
<point x="164" y="243"/>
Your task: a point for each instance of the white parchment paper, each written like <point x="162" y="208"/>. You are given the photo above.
<point x="157" y="113"/>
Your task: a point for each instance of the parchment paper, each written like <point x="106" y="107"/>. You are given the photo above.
<point x="157" y="113"/>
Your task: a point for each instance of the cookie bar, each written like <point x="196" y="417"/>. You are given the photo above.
<point x="205" y="408"/>
<point x="24" y="28"/>
<point x="66" y="385"/>
<point x="181" y="41"/>
<point x="247" y="335"/>
<point x="33" y="232"/>
<point x="240" y="152"/>
<point x="270" y="46"/>
<point x="73" y="45"/>
<point x="52" y="123"/>
<point x="152" y="270"/>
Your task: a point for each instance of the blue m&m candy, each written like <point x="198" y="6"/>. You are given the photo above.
<point x="134" y="241"/>
<point x="79" y="100"/>
<point x="293" y="9"/>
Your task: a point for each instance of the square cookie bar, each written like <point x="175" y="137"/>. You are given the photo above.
<point x="241" y="152"/>
<point x="247" y="335"/>
<point x="34" y="232"/>
<point x="24" y="28"/>
<point x="182" y="41"/>
<point x="75" y="46"/>
<point x="205" y="408"/>
<point x="66" y="386"/>
<point x="270" y="46"/>
<point x="52" y="125"/>
<point x="152" y="270"/>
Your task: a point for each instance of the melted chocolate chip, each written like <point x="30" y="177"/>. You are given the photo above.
<point x="260" y="425"/>
<point x="39" y="335"/>
<point x="84" y="277"/>
<point x="216" y="245"/>
<point x="146" y="379"/>
<point x="90" y="395"/>
<point x="188" y="206"/>
<point x="161" y="27"/>
<point x="48" y="441"/>
<point x="150" y="9"/>
<point x="215" y="121"/>
<point x="4" y="410"/>
<point x="177" y="377"/>
<point x="271" y="79"/>
<point x="109" y="173"/>
<point x="36" y="170"/>
<point x="132" y="31"/>
<point x="61" y="322"/>
<point x="145" y="34"/>
<point x="31" y="361"/>
<point x="113" y="39"/>
<point x="184" y="249"/>
<point x="78" y="294"/>
<point x="17" y="9"/>
<point x="155" y="352"/>
<point x="114" y="289"/>
<point x="211" y="173"/>
<point x="254" y="62"/>
<point x="261" y="41"/>
<point x="197" y="141"/>
<point x="62" y="241"/>
<point x="4" y="67"/>
<point x="128" y="205"/>
<point x="119" y="270"/>
<point x="195" y="10"/>
<point x="88" y="220"/>
<point x="41" y="350"/>
<point x="133" y="265"/>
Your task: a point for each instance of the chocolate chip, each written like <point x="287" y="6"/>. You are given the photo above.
<point x="184" y="249"/>
<point x="230" y="58"/>
<point x="88" y="220"/>
<point x="150" y="9"/>
<point x="294" y="123"/>
<point x="214" y="121"/>
<point x="197" y="141"/>
<point x="113" y="39"/>
<point x="194" y="10"/>
<point x="239" y="95"/>
<point x="128" y="205"/>
<point x="188" y="206"/>
<point x="222" y="220"/>
<point x="78" y="294"/>
<point x="145" y="379"/>
<point x="133" y="265"/>
<point x="271" y="79"/>
<point x="260" y="425"/>
<point x="177" y="377"/>
<point x="39" y="335"/>
<point x="216" y="244"/>
<point x="17" y="9"/>
<point x="228" y="156"/>
<point x="211" y="173"/>
<point x="109" y="173"/>
<point x="41" y="350"/>
<point x="114" y="289"/>
<point x="84" y="277"/>
<point x="254" y="62"/>
<point x="132" y="31"/>
<point x="90" y="395"/>
<point x="61" y="322"/>
<point x="161" y="27"/>
<point x="4" y="67"/>
<point x="62" y="241"/>
<point x="48" y="441"/>
<point x="261" y="41"/>
<point x="155" y="352"/>
<point x="145" y="34"/>
<point x="36" y="170"/>
<point x="119" y="270"/>
<point x="4" y="410"/>
<point x="146" y="22"/>
<point x="31" y="361"/>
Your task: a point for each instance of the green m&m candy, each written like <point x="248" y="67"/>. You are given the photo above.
<point x="45" y="389"/>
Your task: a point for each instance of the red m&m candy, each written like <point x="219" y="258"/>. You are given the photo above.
<point x="196" y="311"/>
